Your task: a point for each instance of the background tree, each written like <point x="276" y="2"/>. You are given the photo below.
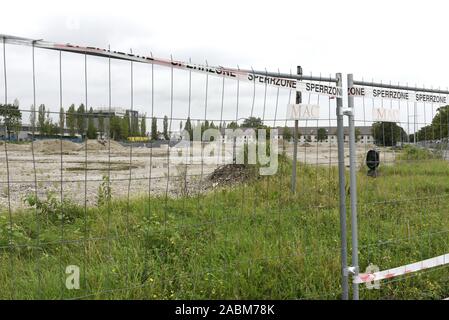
<point x="388" y="133"/>
<point x="196" y="125"/>
<point x="115" y="127"/>
<point x="45" y="122"/>
<point x="438" y="129"/>
<point x="17" y="118"/>
<point x="252" y="122"/>
<point x="50" y="128"/>
<point x="287" y="134"/>
<point x="256" y="123"/>
<point x="61" y="120"/>
<point x="33" y="116"/>
<point x="91" y="129"/>
<point x="80" y="119"/>
<point x="101" y="124"/>
<point x="71" y="120"/>
<point x="125" y="127"/>
<point x="154" y="135"/>
<point x="165" y="132"/>
<point x="425" y="133"/>
<point x="11" y="117"/>
<point x="321" y="134"/>
<point x="188" y="128"/>
<point x="41" y="117"/>
<point x="205" y="126"/>
<point x="133" y="122"/>
<point x="143" y="126"/>
<point x="357" y="134"/>
<point x="232" y="125"/>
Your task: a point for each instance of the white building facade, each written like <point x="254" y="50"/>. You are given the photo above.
<point x="306" y="135"/>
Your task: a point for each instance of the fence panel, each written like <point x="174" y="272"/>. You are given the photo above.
<point x="111" y="198"/>
<point x="402" y="205"/>
<point x="126" y="176"/>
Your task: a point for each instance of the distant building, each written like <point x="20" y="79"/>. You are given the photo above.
<point x="106" y="113"/>
<point x="27" y="132"/>
<point x="307" y="134"/>
<point x="310" y="134"/>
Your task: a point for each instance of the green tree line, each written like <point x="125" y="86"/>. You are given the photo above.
<point x="77" y="120"/>
<point x="436" y="130"/>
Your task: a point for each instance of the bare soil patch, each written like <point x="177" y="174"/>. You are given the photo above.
<point x="102" y="145"/>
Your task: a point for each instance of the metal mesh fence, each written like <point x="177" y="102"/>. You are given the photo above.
<point x="111" y="192"/>
<point x="120" y="178"/>
<point x="402" y="206"/>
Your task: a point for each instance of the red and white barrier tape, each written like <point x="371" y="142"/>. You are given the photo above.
<point x="399" y="271"/>
<point x="232" y="73"/>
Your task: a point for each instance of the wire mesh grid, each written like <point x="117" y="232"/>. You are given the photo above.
<point x="97" y="185"/>
<point x="402" y="208"/>
<point x="108" y="193"/>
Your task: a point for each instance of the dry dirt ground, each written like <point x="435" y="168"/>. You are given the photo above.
<point x="49" y="167"/>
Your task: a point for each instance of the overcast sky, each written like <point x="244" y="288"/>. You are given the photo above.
<point x="398" y="41"/>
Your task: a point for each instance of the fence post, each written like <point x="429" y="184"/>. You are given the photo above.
<point x="353" y="189"/>
<point x="342" y="183"/>
<point x="295" y="137"/>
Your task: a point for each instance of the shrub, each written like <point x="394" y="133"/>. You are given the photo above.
<point x="52" y="210"/>
<point x="104" y="191"/>
<point x="414" y="153"/>
<point x="12" y="234"/>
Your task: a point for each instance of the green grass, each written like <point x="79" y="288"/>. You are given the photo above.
<point x="253" y="241"/>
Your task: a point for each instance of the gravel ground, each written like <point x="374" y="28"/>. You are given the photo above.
<point x="130" y="172"/>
